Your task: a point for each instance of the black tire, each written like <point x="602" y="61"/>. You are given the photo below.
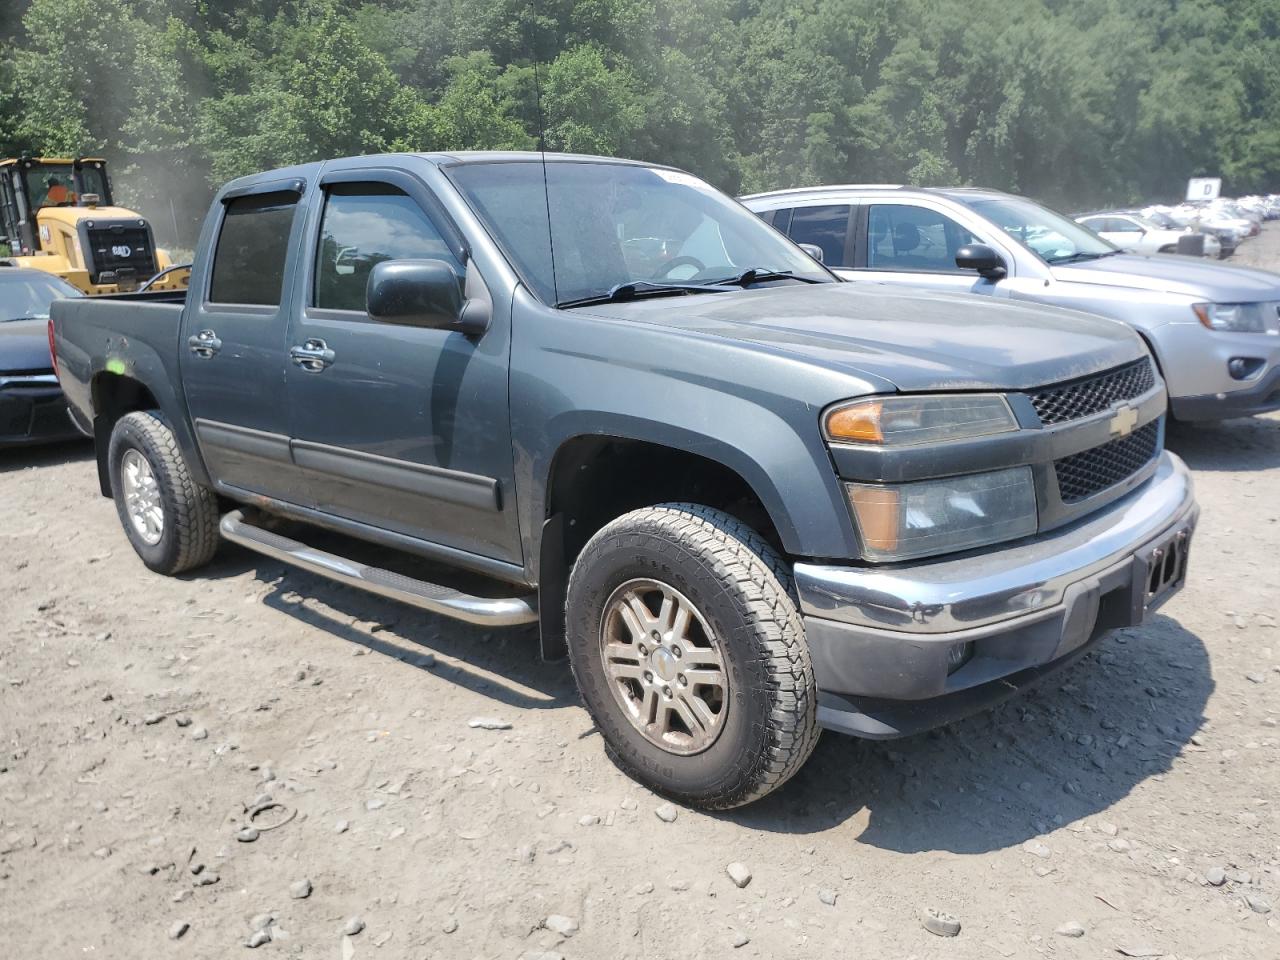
<point x="743" y="590"/>
<point x="189" y="536"/>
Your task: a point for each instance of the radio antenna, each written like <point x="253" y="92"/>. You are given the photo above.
<point x="546" y="190"/>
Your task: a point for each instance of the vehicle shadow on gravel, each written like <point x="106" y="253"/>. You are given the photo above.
<point x="502" y="664"/>
<point x="1065" y="750"/>
<point x="45" y="455"/>
<point x="1232" y="445"/>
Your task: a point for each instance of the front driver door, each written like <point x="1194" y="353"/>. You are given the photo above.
<point x="915" y="244"/>
<point x="397" y="427"/>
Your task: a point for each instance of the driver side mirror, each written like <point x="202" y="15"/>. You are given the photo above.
<point x="812" y="249"/>
<point x="423" y="293"/>
<point x="983" y="259"/>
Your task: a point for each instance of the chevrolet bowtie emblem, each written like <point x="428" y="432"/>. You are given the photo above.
<point x="1124" y="421"/>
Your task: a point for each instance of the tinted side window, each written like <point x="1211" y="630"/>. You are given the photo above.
<point x="825" y="227"/>
<point x="363" y="225"/>
<point x="248" y="264"/>
<point x="901" y="237"/>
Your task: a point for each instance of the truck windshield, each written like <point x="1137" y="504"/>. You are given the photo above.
<point x="1048" y="235"/>
<point x="51" y="184"/>
<point x="615" y="224"/>
<point x="27" y="295"/>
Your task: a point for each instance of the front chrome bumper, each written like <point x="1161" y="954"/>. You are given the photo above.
<point x="881" y="636"/>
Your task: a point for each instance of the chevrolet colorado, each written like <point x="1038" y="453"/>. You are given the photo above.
<point x="748" y="500"/>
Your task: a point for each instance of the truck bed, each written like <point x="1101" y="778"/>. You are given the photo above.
<point x="132" y="335"/>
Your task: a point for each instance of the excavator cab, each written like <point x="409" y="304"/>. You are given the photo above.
<point x="57" y="215"/>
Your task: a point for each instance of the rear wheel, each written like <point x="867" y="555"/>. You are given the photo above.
<point x="690" y="655"/>
<point x="171" y="521"/>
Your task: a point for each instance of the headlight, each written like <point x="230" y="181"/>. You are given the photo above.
<point x="1236" y="317"/>
<point x="901" y="521"/>
<point x="902" y="421"/>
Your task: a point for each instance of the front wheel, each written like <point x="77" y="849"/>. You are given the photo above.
<point x="169" y="518"/>
<point x="689" y="652"/>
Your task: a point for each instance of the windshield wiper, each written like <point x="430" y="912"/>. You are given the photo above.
<point x="1081" y="256"/>
<point x="643" y="288"/>
<point x="752" y="274"/>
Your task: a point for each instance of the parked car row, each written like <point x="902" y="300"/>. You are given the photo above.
<point x="1133" y="232"/>
<point x="1213" y="329"/>
<point x="1224" y="223"/>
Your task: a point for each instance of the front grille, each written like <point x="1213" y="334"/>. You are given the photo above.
<point x="1090" y="395"/>
<point x="1090" y="472"/>
<point x="122" y="250"/>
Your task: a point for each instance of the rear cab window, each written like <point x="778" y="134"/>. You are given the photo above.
<point x="248" y="262"/>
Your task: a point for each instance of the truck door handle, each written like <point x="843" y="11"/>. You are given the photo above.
<point x="314" y="355"/>
<point x="204" y="344"/>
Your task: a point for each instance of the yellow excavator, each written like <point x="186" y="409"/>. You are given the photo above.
<point x="56" y="215"/>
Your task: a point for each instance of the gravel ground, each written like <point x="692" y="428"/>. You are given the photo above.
<point x="1128" y="807"/>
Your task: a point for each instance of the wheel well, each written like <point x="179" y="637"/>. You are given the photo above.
<point x="113" y="396"/>
<point x="595" y="479"/>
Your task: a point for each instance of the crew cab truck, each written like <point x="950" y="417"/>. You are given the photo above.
<point x="748" y="500"/>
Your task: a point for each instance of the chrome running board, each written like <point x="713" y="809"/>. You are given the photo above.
<point x="492" y="612"/>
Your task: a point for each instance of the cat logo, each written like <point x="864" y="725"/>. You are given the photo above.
<point x="124" y="251"/>
<point x="1124" y="421"/>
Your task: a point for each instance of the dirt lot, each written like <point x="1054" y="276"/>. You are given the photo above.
<point x="142" y="718"/>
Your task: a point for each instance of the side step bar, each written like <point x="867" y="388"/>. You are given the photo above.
<point x="500" y="612"/>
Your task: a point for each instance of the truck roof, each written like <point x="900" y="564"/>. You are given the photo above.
<point x="308" y="171"/>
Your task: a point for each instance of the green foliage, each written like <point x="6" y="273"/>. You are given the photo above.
<point x="1081" y="102"/>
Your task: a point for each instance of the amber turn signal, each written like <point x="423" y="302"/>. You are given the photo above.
<point x="857" y="422"/>
<point x="877" y="510"/>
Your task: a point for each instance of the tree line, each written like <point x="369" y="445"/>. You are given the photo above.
<point x="1075" y="102"/>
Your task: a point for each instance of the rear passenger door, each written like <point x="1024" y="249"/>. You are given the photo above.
<point x="232" y="346"/>
<point x="828" y="226"/>
<point x="399" y="428"/>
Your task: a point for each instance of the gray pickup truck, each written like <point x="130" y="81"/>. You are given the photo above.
<point x="748" y="500"/>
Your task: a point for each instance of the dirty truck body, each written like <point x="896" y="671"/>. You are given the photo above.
<point x="748" y="500"/>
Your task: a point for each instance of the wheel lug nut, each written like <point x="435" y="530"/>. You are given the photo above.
<point x="643" y="650"/>
<point x="656" y="635"/>
<point x="666" y="691"/>
<point x="675" y="651"/>
<point x="648" y="677"/>
<point x="684" y="681"/>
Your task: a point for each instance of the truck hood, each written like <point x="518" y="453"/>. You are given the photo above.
<point x="1215" y="282"/>
<point x="914" y="340"/>
<point x="24" y="345"/>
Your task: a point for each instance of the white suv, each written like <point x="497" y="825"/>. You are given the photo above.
<point x="1136" y="234"/>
